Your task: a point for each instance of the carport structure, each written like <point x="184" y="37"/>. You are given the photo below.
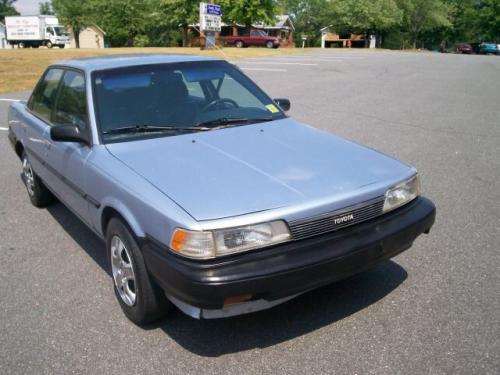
<point x="330" y="38"/>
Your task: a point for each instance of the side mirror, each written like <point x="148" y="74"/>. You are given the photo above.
<point x="283" y="103"/>
<point x="68" y="133"/>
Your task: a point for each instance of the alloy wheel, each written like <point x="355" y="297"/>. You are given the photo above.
<point x="123" y="271"/>
<point x="29" y="177"/>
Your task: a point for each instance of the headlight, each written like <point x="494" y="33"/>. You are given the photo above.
<point x="402" y="194"/>
<point x="209" y="244"/>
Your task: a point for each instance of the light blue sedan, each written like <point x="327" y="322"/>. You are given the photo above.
<point x="207" y="195"/>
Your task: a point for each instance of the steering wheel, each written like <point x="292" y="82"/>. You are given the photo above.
<point x="219" y="101"/>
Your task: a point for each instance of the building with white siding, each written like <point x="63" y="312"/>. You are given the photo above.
<point x="90" y="37"/>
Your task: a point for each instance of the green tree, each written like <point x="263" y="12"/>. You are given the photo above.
<point x="75" y="14"/>
<point x="124" y="21"/>
<point x="309" y="17"/>
<point x="7" y="9"/>
<point x="420" y="16"/>
<point x="248" y="12"/>
<point x="461" y="13"/>
<point x="488" y="20"/>
<point x="369" y="16"/>
<point x="45" y="7"/>
<point x="474" y="20"/>
<point x="180" y="13"/>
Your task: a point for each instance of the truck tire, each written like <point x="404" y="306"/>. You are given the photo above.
<point x="61" y="45"/>
<point x="49" y="44"/>
<point x="270" y="44"/>
<point x="21" y="45"/>
<point x="239" y="44"/>
<point x="141" y="300"/>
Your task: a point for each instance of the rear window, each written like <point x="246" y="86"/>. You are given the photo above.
<point x="44" y="96"/>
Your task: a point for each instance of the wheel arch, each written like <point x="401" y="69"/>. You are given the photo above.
<point x="122" y="213"/>
<point x="19" y="149"/>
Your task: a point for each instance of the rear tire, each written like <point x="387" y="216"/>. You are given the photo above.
<point x="21" y="45"/>
<point x="39" y="195"/>
<point x="141" y="300"/>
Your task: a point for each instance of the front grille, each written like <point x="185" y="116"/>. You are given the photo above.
<point x="336" y="220"/>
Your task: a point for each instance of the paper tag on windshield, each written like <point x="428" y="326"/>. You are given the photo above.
<point x="272" y="108"/>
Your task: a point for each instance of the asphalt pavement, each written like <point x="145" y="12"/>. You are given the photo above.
<point x="434" y="309"/>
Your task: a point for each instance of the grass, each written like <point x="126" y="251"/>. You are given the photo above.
<point x="20" y="69"/>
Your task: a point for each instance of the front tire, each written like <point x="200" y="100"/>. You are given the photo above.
<point x="39" y="195"/>
<point x="239" y="44"/>
<point x="270" y="44"/>
<point x="141" y="300"/>
<point x="49" y="45"/>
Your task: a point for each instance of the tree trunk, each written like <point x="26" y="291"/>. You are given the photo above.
<point x="184" y="36"/>
<point x="76" y="35"/>
<point x="379" y="37"/>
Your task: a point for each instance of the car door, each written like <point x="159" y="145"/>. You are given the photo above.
<point x="254" y="38"/>
<point x="37" y="119"/>
<point x="67" y="160"/>
<point x="49" y="33"/>
<point x="261" y="37"/>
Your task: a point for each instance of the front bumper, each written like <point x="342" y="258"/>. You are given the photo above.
<point x="292" y="268"/>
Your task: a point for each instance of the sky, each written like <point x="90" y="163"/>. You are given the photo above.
<point x="26" y="7"/>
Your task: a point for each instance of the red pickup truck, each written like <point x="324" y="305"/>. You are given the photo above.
<point x="255" y="38"/>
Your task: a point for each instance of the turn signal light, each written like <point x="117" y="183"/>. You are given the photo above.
<point x="237" y="299"/>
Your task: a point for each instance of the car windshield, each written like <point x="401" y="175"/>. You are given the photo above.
<point x="258" y="33"/>
<point x="137" y="102"/>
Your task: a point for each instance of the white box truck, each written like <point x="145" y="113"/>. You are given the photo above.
<point x="35" y="31"/>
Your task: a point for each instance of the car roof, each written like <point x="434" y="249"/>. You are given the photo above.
<point x="90" y="64"/>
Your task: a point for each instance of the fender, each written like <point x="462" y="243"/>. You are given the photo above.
<point x="124" y="211"/>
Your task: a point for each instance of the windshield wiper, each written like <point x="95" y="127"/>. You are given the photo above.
<point x="225" y="122"/>
<point x="153" y="129"/>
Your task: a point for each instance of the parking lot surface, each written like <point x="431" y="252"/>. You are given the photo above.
<point x="433" y="309"/>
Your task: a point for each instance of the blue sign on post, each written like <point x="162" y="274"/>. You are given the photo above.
<point x="214" y="9"/>
<point x="210" y="22"/>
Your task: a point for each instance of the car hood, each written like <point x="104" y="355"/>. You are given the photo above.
<point x="246" y="169"/>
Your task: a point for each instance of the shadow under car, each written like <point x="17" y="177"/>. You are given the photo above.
<point x="301" y="315"/>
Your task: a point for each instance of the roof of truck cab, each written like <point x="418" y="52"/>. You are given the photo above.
<point x="119" y="61"/>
